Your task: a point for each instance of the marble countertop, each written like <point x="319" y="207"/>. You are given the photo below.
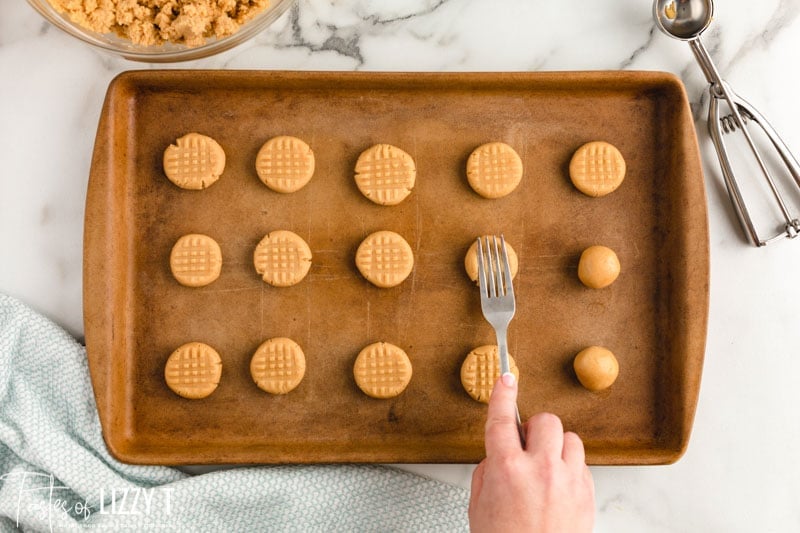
<point x="740" y="472"/>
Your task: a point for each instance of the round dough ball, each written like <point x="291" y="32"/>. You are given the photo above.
<point x="596" y="368"/>
<point x="598" y="267"/>
<point x="471" y="260"/>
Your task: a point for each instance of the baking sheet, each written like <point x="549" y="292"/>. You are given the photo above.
<point x="653" y="317"/>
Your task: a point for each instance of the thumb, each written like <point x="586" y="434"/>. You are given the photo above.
<point x="502" y="436"/>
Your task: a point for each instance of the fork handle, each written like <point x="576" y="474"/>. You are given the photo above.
<point x="502" y="349"/>
<point x="505" y="367"/>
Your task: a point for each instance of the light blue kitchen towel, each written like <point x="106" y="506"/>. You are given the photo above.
<point x="56" y="474"/>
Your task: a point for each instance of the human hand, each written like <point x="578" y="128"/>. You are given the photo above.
<point x="545" y="487"/>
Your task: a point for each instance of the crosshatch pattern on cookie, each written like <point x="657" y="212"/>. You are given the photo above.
<point x="282" y="258"/>
<point x="494" y="169"/>
<point x="278" y="365"/>
<point x="480" y="371"/>
<point x="193" y="370"/>
<point x="196" y="260"/>
<point x="194" y="161"/>
<point x="597" y="168"/>
<point x="385" y="258"/>
<point x="382" y="370"/>
<point x="385" y="174"/>
<point x="285" y="164"/>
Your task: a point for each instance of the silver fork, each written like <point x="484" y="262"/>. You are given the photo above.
<point x="497" y="300"/>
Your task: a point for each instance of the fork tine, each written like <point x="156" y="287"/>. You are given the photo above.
<point x="491" y="280"/>
<point x="482" y="283"/>
<point x="506" y="268"/>
<point x="498" y="268"/>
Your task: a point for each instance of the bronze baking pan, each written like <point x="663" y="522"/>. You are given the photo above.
<point x="653" y="317"/>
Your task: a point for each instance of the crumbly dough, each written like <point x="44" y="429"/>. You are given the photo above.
<point x="154" y="22"/>
<point x="670" y="11"/>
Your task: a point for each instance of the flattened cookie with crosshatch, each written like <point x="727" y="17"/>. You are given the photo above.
<point x="282" y="258"/>
<point x="195" y="161"/>
<point x="385" y="259"/>
<point x="385" y="174"/>
<point x="285" y="164"/>
<point x="471" y="259"/>
<point x="481" y="370"/>
<point x="597" y="168"/>
<point x="382" y="370"/>
<point x="278" y="366"/>
<point x="195" y="260"/>
<point x="494" y="170"/>
<point x="193" y="370"/>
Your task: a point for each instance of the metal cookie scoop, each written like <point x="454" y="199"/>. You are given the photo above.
<point x="686" y="20"/>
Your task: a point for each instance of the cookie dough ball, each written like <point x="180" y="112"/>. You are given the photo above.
<point x="385" y="259"/>
<point x="193" y="370"/>
<point x="597" y="169"/>
<point x="494" y="170"/>
<point x="382" y="370"/>
<point x="385" y="174"/>
<point x="596" y="368"/>
<point x="194" y="162"/>
<point x="285" y="164"/>
<point x="282" y="258"/>
<point x="195" y="260"/>
<point x="481" y="370"/>
<point x="471" y="260"/>
<point x="598" y="267"/>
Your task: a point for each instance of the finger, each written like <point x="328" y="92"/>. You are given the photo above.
<point x="545" y="435"/>
<point x="477" y="485"/>
<point x="589" y="481"/>
<point x="588" y="475"/>
<point x="573" y="453"/>
<point x="502" y="437"/>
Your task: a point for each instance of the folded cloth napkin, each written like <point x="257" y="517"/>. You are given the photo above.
<point x="56" y="474"/>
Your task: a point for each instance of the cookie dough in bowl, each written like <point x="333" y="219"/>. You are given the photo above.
<point x="161" y="31"/>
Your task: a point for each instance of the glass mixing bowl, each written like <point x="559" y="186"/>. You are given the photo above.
<point x="167" y="52"/>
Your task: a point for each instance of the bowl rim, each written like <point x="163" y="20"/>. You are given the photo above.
<point x="212" y="46"/>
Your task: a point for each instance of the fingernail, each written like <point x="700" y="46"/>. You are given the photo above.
<point x="509" y="379"/>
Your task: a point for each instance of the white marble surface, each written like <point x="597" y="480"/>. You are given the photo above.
<point x="741" y="471"/>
